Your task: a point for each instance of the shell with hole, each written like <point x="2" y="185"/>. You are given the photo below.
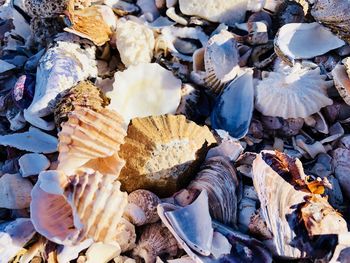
<point x="62" y="67"/>
<point x="341" y="77"/>
<point x="294" y="92"/>
<point x="91" y="139"/>
<point x="301" y="41"/>
<point x="144" y="90"/>
<point x="161" y="152"/>
<point x="69" y="210"/>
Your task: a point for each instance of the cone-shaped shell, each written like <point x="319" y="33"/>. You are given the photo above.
<point x="161" y="150"/>
<point x="91" y="136"/>
<point x="68" y="210"/>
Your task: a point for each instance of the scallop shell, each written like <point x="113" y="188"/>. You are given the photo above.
<point x="62" y="67"/>
<point x="142" y="207"/>
<point x="301" y="41"/>
<point x="155" y="240"/>
<point x="214" y="173"/>
<point x="299" y="92"/>
<point x="233" y="110"/>
<point x="92" y="139"/>
<point x="135" y="42"/>
<point x="160" y="151"/>
<point x="85" y="94"/>
<point x="68" y="210"/>
<point x="342" y="82"/>
<point x="144" y="90"/>
<point x="221" y="60"/>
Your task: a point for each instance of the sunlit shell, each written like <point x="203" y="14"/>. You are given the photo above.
<point x="100" y="252"/>
<point x="126" y="235"/>
<point x="144" y="90"/>
<point x="68" y="210"/>
<point x="160" y="151"/>
<point x="301" y="40"/>
<point x="85" y="95"/>
<point x="342" y="80"/>
<point x="62" y="67"/>
<point x="299" y="92"/>
<point x="135" y="42"/>
<point x="91" y="138"/>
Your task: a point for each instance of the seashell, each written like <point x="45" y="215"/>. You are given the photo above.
<point x="161" y="151"/>
<point x="142" y="207"/>
<point x="341" y="158"/>
<point x="235" y="118"/>
<point x="145" y="90"/>
<point x="228" y="12"/>
<point x="23" y="91"/>
<point x="13" y="236"/>
<point x="290" y="12"/>
<point x="68" y="253"/>
<point x="295" y="94"/>
<point x="43" y="30"/>
<point x="32" y="164"/>
<point x="124" y="259"/>
<point x="301" y="41"/>
<point x="99" y="252"/>
<point x="85" y="95"/>
<point x="89" y="205"/>
<point x="221" y="61"/>
<point x="155" y="240"/>
<point x="33" y="140"/>
<point x="263" y="55"/>
<point x="257" y="31"/>
<point x="126" y="236"/>
<point x="342" y="81"/>
<point x="53" y="78"/>
<point x="5" y="66"/>
<point x="216" y="172"/>
<point x="148" y="9"/>
<point x="46" y="8"/>
<point x="136" y="47"/>
<point x="228" y="148"/>
<point x="93" y="23"/>
<point x="190" y="97"/>
<point x="171" y="13"/>
<point x="92" y="139"/>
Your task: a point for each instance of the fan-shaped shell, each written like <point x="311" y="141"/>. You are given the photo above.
<point x="298" y="93"/>
<point x="159" y="150"/>
<point x="91" y="138"/>
<point x="68" y="210"/>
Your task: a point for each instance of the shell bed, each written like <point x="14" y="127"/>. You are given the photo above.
<point x="180" y="131"/>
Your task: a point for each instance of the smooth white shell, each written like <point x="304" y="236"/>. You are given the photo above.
<point x="33" y="164"/>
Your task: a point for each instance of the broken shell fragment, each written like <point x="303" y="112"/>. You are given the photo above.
<point x="161" y="151"/>
<point x="126" y="235"/>
<point x="297" y="92"/>
<point x="100" y="252"/>
<point x="33" y="164"/>
<point x="342" y="81"/>
<point x="301" y="41"/>
<point x="144" y="90"/>
<point x="69" y="210"/>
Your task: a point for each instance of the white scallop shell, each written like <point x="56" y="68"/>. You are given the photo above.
<point x="295" y="94"/>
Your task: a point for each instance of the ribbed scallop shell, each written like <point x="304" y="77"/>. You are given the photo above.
<point x="68" y="210"/>
<point x="298" y="93"/>
<point x="159" y="150"/>
<point x="91" y="136"/>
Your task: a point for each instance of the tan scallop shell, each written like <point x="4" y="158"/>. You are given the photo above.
<point x="160" y="151"/>
<point x="68" y="210"/>
<point x="342" y="80"/>
<point x="91" y="136"/>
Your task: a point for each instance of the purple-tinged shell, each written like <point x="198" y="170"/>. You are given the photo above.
<point x="23" y="91"/>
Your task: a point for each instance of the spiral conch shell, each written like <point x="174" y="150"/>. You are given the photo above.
<point x="159" y="150"/>
<point x="92" y="139"/>
<point x="68" y="210"/>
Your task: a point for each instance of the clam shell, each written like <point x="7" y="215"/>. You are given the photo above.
<point x="91" y="138"/>
<point x="233" y="110"/>
<point x="342" y="82"/>
<point x="68" y="210"/>
<point x="62" y="67"/>
<point x="144" y="90"/>
<point x="160" y="151"/>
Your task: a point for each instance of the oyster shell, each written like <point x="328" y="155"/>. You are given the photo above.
<point x="233" y="110"/>
<point x="92" y="139"/>
<point x="160" y="151"/>
<point x="294" y="93"/>
<point x="144" y="90"/>
<point x="55" y="76"/>
<point x="68" y="210"/>
<point x="32" y="164"/>
<point x="301" y="40"/>
<point x="342" y="80"/>
<point x="135" y="42"/>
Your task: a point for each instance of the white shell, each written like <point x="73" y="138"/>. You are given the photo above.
<point x="294" y="93"/>
<point x="13" y="236"/>
<point x="68" y="253"/>
<point x="14" y="191"/>
<point x="342" y="82"/>
<point x="62" y="67"/>
<point x="135" y="42"/>
<point x="102" y="253"/>
<point x="144" y="90"/>
<point x="68" y="210"/>
<point x="228" y="12"/>
<point x="302" y="40"/>
<point x="34" y="140"/>
<point x="32" y="164"/>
